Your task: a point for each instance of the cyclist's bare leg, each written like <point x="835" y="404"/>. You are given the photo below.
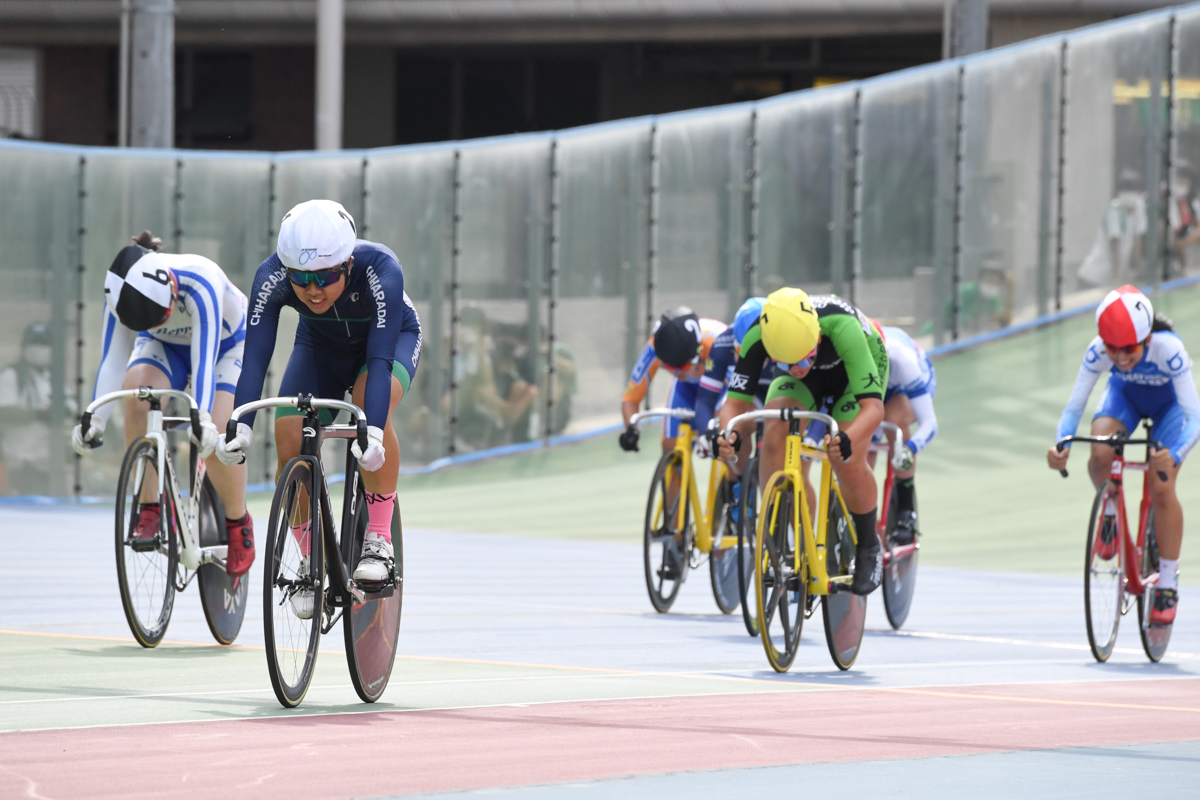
<point x="855" y="477"/>
<point x="899" y="412"/>
<point x="382" y="480"/>
<point x="1100" y="462"/>
<point x="229" y="481"/>
<point x="136" y="412"/>
<point x="1168" y="513"/>
<point x="774" y="446"/>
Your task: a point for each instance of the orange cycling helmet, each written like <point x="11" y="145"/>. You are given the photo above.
<point x="789" y="325"/>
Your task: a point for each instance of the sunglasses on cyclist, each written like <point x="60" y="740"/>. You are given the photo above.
<point x="803" y="363"/>
<point x="1128" y="349"/>
<point x="322" y="279"/>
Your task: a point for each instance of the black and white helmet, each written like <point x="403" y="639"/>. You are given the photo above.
<point x="677" y="337"/>
<point x="140" y="288"/>
<point x="316" y="235"/>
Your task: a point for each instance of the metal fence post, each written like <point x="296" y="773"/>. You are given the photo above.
<point x="856" y="211"/>
<point x="1171" y="145"/>
<point x="956" y="229"/>
<point x="80" y="233"/>
<point x="1060" y="213"/>
<point x="268" y="439"/>
<point x="364" y="224"/>
<point x="652" y="237"/>
<point x="552" y="292"/>
<point x="750" y="279"/>
<point x="455" y="260"/>
<point x="177" y="207"/>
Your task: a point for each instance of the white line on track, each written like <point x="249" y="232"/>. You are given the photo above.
<point x="962" y="637"/>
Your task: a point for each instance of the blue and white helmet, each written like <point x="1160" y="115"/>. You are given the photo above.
<point x="316" y="235"/>
<point x="745" y="317"/>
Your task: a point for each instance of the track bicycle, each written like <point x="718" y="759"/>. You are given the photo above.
<point x="747" y="531"/>
<point x="191" y="538"/>
<point x="307" y="584"/>
<point x="1118" y="569"/>
<point x="899" y="560"/>
<point x="795" y="563"/>
<point x="679" y="532"/>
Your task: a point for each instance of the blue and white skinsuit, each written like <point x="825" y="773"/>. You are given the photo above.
<point x="202" y="339"/>
<point x="1159" y="388"/>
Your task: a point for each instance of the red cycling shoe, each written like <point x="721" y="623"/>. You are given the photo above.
<point x="240" y="553"/>
<point x="1109" y="542"/>
<point x="1163" y="613"/>
<point x="145" y="532"/>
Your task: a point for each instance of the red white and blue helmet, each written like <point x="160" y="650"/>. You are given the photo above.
<point x="1124" y="317"/>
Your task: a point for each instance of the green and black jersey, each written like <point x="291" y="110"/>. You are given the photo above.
<point x="851" y="365"/>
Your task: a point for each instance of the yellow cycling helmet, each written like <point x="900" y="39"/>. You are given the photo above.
<point x="789" y="324"/>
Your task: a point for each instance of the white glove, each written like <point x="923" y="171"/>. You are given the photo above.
<point x="230" y="452"/>
<point x="701" y="447"/>
<point x="903" y="460"/>
<point x="210" y="437"/>
<point x="373" y="458"/>
<point x="86" y="444"/>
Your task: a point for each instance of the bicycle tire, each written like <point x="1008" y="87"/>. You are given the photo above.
<point x="146" y="578"/>
<point x="844" y="613"/>
<point x="292" y="642"/>
<point x="371" y="630"/>
<point x="747" y="533"/>
<point x="1103" y="580"/>
<point x="1154" y="639"/>
<point x="666" y="569"/>
<point x="723" y="561"/>
<point x="780" y="590"/>
<point x="900" y="576"/>
<point x="223" y="598"/>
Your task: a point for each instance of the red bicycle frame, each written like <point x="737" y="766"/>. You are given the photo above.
<point x="1135" y="584"/>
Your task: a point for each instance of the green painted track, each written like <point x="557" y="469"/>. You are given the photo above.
<point x="988" y="501"/>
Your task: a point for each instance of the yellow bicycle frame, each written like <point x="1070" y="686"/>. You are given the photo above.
<point x="814" y="541"/>
<point x="703" y="516"/>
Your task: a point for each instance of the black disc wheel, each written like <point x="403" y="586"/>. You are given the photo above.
<point x="1154" y="638"/>
<point x="899" y="576"/>
<point x="844" y="613"/>
<point x="293" y="584"/>
<point x="723" y="560"/>
<point x="372" y="629"/>
<point x="747" y="531"/>
<point x="780" y="575"/>
<point x="145" y="566"/>
<point x="223" y="597"/>
<point x="1103" y="575"/>
<point x="667" y="546"/>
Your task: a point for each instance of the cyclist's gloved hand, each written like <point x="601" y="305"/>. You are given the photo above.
<point x="233" y="451"/>
<point x="842" y="440"/>
<point x="210" y="437"/>
<point x="629" y="439"/>
<point x="703" y="447"/>
<point x="85" y="443"/>
<point x="903" y="461"/>
<point x="373" y="457"/>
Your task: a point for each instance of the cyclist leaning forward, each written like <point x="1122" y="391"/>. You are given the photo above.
<point x="827" y="353"/>
<point x="1149" y="376"/>
<point x="169" y="318"/>
<point x="358" y="332"/>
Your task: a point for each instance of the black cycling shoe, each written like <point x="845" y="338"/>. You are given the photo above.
<point x="868" y="569"/>
<point x="670" y="566"/>
<point x="905" y="532"/>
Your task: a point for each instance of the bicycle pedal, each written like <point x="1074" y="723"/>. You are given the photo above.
<point x="143" y="545"/>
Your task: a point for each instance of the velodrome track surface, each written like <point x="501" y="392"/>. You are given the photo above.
<point x="531" y="663"/>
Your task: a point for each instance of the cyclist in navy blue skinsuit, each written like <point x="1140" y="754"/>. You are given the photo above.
<point x="358" y="332"/>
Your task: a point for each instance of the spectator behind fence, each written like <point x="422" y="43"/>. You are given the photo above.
<point x="1117" y="254"/>
<point x="26" y="395"/>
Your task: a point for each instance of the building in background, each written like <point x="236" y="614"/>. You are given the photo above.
<point x="430" y="70"/>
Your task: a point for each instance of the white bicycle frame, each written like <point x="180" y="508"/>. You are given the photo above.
<point x="191" y="555"/>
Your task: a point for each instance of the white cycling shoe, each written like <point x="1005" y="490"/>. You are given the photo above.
<point x="375" y="564"/>
<point x="302" y="600"/>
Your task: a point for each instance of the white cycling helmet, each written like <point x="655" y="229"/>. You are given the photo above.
<point x="316" y="235"/>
